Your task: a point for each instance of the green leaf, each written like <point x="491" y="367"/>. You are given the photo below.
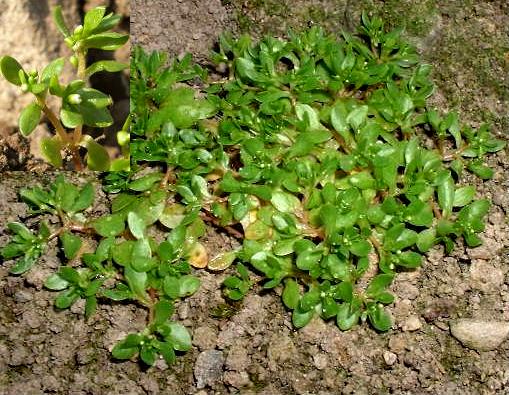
<point x="285" y="202"/>
<point x="56" y="283"/>
<point x="120" y="351"/>
<point x="52" y="70"/>
<point x="97" y="157"/>
<point x="398" y="238"/>
<point x="71" y="244"/>
<point x="109" y="225"/>
<point x="357" y="116"/>
<point x="409" y="259"/>
<point x="188" y="285"/>
<point x="70" y="118"/>
<point x="29" y="118"/>
<point x="291" y="294"/>
<point x="10" y="69"/>
<point x="105" y="65"/>
<point x="445" y="191"/>
<point x="137" y="282"/>
<point x="361" y="248"/>
<point x="426" y="239"/>
<point x="463" y="195"/>
<point x="25" y="263"/>
<point x="51" y="150"/>
<point x="92" y="19"/>
<point x="379" y="318"/>
<point x="480" y="170"/>
<point x="378" y="284"/>
<point x="347" y="316"/>
<point x="179" y="337"/>
<point x="301" y="318"/>
<point x="90" y="306"/>
<point x="307" y="260"/>
<point x="21" y="230"/>
<point x="67" y="298"/>
<point x="162" y="312"/>
<point x="146" y="182"/>
<point x="105" y="41"/>
<point x="171" y="287"/>
<point x="136" y="225"/>
<point x="85" y="199"/>
<point x="148" y="355"/>
<point x="58" y="18"/>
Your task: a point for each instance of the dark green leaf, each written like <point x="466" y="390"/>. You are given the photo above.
<point x="71" y="244"/>
<point x="29" y="118"/>
<point x="10" y="69"/>
<point x="291" y="294"/>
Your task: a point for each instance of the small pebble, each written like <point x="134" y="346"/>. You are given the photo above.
<point x="390" y="358"/>
<point x="412" y="323"/>
<point x="22" y="296"/>
<point x="208" y="368"/>
<point x="320" y="361"/>
<point x="478" y="334"/>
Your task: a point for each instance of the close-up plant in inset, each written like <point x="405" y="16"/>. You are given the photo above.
<point x="81" y="105"/>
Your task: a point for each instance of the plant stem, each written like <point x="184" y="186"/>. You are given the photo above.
<point x="82" y="64"/>
<point x="54" y="121"/>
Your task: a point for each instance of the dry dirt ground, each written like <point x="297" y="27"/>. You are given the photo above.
<point x="251" y="347"/>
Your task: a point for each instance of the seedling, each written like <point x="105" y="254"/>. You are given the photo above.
<point x="126" y="264"/>
<point x="80" y="105"/>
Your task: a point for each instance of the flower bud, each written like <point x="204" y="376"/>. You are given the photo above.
<point x="75" y="98"/>
<point x="69" y="42"/>
<point x="123" y="138"/>
<point x="78" y="29"/>
<point x="74" y="60"/>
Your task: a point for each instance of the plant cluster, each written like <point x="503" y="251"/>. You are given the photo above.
<point x="81" y="105"/>
<point x="319" y="155"/>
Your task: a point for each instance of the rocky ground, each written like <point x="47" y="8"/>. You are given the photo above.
<point x="451" y="316"/>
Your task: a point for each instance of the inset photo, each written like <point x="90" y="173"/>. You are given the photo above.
<point x="64" y="83"/>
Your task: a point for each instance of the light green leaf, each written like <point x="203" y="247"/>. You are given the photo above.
<point x="58" y="18"/>
<point x="92" y="19"/>
<point x="56" y="283"/>
<point x="109" y="225"/>
<point x="179" y="336"/>
<point x="105" y="41"/>
<point x="291" y="294"/>
<point x="105" y="65"/>
<point x="136" y="225"/>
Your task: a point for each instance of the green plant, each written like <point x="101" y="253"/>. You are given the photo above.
<point x="81" y="106"/>
<point x="126" y="264"/>
<point x="314" y="147"/>
<point x="310" y="151"/>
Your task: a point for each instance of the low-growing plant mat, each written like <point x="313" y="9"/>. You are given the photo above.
<point x="251" y="347"/>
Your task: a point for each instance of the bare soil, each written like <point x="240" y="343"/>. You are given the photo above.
<point x="251" y="347"/>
